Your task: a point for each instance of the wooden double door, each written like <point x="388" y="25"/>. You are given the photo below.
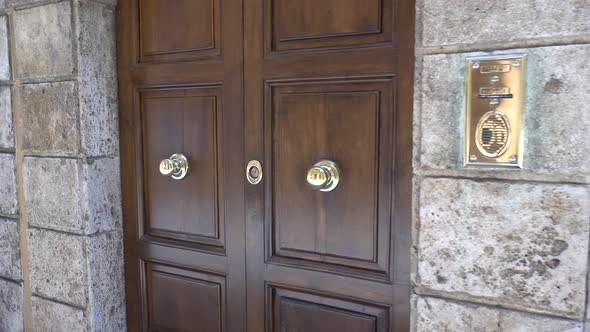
<point x="287" y="83"/>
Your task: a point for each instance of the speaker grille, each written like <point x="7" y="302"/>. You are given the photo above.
<point x="493" y="134"/>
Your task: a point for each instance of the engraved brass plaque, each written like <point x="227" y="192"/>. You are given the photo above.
<point x="494" y="119"/>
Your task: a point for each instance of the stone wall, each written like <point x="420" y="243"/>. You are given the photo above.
<point x="499" y="249"/>
<point x="61" y="257"/>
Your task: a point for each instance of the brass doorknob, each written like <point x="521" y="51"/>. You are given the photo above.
<point x="176" y="166"/>
<point x="323" y="176"/>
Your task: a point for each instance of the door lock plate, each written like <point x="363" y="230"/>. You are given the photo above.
<point x="254" y="172"/>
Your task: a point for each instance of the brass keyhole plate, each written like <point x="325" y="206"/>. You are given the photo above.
<point x="254" y="172"/>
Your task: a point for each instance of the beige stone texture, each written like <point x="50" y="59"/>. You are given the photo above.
<point x="440" y="315"/>
<point x="458" y="22"/>
<point x="49" y="118"/>
<point x="44" y="41"/>
<point x="518" y="245"/>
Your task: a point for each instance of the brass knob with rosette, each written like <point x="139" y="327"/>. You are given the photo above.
<point x="176" y="166"/>
<point x="323" y="176"/>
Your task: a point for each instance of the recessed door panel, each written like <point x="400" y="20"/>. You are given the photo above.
<point x="182" y="121"/>
<point x="347" y="122"/>
<point x="296" y="310"/>
<point x="182" y="29"/>
<point x="308" y="24"/>
<point x="183" y="300"/>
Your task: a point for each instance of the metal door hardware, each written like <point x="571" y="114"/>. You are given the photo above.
<point x="494" y="118"/>
<point x="176" y="166"/>
<point x="323" y="176"/>
<point x="254" y="172"/>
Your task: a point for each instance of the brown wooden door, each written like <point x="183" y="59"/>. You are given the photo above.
<point x="181" y="91"/>
<point x="329" y="80"/>
<point x="287" y="83"/>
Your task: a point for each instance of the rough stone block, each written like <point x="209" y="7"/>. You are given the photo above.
<point x="99" y="112"/>
<point x="107" y="289"/>
<point x="440" y="315"/>
<point x="72" y="195"/>
<point x="8" y="193"/>
<point x="556" y="116"/>
<point x="101" y="190"/>
<point x="52" y="194"/>
<point x="451" y="22"/>
<point x="49" y="118"/>
<point x="11" y="306"/>
<point x="10" y="260"/>
<point x="523" y="246"/>
<point x="512" y="321"/>
<point x="4" y="51"/>
<point x="58" y="266"/>
<point x="98" y="56"/>
<point x="6" y="123"/>
<point x="21" y="3"/>
<point x="43" y="40"/>
<point x="54" y="316"/>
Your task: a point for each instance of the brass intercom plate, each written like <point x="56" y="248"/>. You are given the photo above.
<point x="494" y="119"/>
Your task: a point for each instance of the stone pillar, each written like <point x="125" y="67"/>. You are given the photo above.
<point x="64" y="168"/>
<point x="11" y="276"/>
<point x="488" y="239"/>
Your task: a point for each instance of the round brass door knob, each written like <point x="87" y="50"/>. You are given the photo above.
<point x="323" y="176"/>
<point x="176" y="166"/>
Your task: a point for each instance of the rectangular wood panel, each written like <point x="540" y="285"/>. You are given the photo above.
<point x="184" y="300"/>
<point x="184" y="120"/>
<point x="350" y="123"/>
<point x="292" y="310"/>
<point x="309" y="24"/>
<point x="179" y="29"/>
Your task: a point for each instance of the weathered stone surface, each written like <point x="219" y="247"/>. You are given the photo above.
<point x="101" y="194"/>
<point x="107" y="285"/>
<point x="99" y="116"/>
<point x="49" y="118"/>
<point x="440" y="315"/>
<point x="72" y="195"/>
<point x="21" y="3"/>
<point x="511" y="321"/>
<point x="557" y="110"/>
<point x="51" y="316"/>
<point x="43" y="41"/>
<point x="58" y="266"/>
<point x="451" y="22"/>
<point x="440" y="98"/>
<point x="6" y="123"/>
<point x="98" y="56"/>
<point x="4" y="53"/>
<point x="556" y="116"/>
<point x="519" y="245"/>
<point x="11" y="306"/>
<point x="8" y="194"/>
<point x="10" y="260"/>
<point x="52" y="192"/>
